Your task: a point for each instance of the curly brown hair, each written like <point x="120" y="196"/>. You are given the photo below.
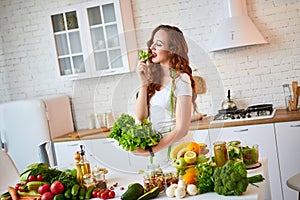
<point x="179" y="61"/>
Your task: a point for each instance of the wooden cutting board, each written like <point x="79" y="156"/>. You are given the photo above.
<point x="87" y="132"/>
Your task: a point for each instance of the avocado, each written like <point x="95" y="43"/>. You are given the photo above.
<point x="151" y="194"/>
<point x="133" y="192"/>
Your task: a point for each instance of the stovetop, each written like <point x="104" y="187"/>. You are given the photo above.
<point x="259" y="111"/>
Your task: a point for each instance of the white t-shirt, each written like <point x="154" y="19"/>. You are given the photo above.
<point x="160" y="103"/>
<point x="161" y="112"/>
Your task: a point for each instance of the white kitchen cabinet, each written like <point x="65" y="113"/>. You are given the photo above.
<point x="103" y="152"/>
<point x="264" y="136"/>
<point x="65" y="151"/>
<point x="93" y="39"/>
<point x="288" y="138"/>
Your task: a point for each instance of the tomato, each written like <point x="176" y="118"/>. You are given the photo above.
<point x="57" y="187"/>
<point x="47" y="196"/>
<point x="25" y="182"/>
<point x="17" y="186"/>
<point x="31" y="178"/>
<point x="99" y="194"/>
<point x="22" y="188"/>
<point x="39" y="177"/>
<point x="111" y="194"/>
<point x="44" y="188"/>
<point x="94" y="193"/>
<point x="104" y="195"/>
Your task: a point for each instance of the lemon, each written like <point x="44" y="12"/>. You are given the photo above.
<point x="190" y="157"/>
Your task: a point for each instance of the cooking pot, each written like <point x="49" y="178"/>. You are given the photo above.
<point x="228" y="104"/>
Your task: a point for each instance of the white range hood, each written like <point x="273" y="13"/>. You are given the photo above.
<point x="237" y="30"/>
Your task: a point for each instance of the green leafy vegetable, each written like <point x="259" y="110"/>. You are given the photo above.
<point x="131" y="136"/>
<point x="231" y="179"/>
<point x="68" y="177"/>
<point x="143" y="55"/>
<point x="205" y="181"/>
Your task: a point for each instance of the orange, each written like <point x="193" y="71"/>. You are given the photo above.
<point x="189" y="178"/>
<point x="193" y="146"/>
<point x="192" y="170"/>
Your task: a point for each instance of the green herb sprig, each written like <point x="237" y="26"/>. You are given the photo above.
<point x="143" y="55"/>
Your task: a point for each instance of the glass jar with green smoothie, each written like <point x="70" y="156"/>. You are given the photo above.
<point x="220" y="151"/>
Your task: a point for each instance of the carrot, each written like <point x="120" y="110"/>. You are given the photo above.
<point x="30" y="198"/>
<point x="13" y="193"/>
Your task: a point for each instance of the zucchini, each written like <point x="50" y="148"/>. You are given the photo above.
<point x="34" y="185"/>
<point x="68" y="194"/>
<point x="89" y="192"/>
<point x="59" y="197"/>
<point x="75" y="189"/>
<point x="82" y="193"/>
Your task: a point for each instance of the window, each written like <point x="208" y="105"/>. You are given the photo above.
<point x="89" y="38"/>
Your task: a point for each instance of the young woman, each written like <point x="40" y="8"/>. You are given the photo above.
<point x="167" y="92"/>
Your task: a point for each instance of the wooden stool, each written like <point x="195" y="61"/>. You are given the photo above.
<point x="294" y="183"/>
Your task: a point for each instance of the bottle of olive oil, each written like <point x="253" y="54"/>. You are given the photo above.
<point x="85" y="165"/>
<point x="77" y="159"/>
<point x="82" y="165"/>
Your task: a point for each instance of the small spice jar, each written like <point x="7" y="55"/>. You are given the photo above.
<point x="220" y="150"/>
<point x="154" y="177"/>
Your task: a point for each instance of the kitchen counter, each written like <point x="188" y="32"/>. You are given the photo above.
<point x="281" y="115"/>
<point x="252" y="193"/>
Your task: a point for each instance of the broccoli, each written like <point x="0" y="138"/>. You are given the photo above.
<point x="231" y="179"/>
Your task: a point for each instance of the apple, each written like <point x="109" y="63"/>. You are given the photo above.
<point x="180" y="163"/>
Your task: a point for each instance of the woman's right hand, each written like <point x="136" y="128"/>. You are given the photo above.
<point x="142" y="71"/>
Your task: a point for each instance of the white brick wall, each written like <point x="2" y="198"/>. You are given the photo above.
<point x="254" y="74"/>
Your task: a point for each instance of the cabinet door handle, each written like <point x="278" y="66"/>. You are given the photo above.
<point x="241" y="130"/>
<point x="73" y="145"/>
<point x="294" y="126"/>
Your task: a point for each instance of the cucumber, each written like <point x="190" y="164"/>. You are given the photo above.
<point x="74" y="198"/>
<point x="59" y="197"/>
<point x="34" y="185"/>
<point x="68" y="194"/>
<point x="89" y="192"/>
<point x="75" y="189"/>
<point x="82" y="193"/>
<point x="133" y="192"/>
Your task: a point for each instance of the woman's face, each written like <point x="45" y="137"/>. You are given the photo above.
<point x="160" y="48"/>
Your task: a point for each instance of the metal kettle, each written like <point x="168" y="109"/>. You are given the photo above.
<point x="228" y="104"/>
